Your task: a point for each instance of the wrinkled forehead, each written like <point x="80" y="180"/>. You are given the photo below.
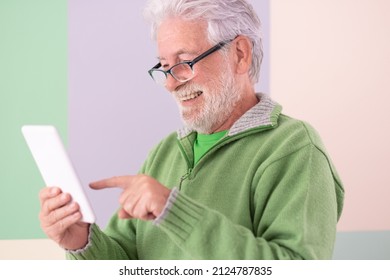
<point x="174" y="34"/>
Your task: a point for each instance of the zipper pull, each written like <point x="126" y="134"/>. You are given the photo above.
<point x="185" y="176"/>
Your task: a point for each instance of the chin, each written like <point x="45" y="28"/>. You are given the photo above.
<point x="204" y="127"/>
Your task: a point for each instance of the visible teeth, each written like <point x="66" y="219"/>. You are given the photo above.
<point x="191" y="96"/>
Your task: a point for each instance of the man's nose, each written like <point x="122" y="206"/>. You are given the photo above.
<point x="171" y="83"/>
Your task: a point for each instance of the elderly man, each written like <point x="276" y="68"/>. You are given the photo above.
<point x="240" y="181"/>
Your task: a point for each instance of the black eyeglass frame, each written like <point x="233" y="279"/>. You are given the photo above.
<point x="189" y="63"/>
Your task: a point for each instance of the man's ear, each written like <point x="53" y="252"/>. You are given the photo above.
<point x="242" y="54"/>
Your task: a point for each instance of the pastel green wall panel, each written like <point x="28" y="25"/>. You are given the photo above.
<point x="33" y="90"/>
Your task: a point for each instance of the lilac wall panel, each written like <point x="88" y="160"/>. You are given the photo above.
<point x="116" y="112"/>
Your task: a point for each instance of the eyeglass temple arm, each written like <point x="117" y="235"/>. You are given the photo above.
<point x="210" y="51"/>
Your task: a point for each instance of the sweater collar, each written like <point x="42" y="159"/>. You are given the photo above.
<point x="263" y="114"/>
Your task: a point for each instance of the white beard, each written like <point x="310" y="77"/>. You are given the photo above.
<point x="219" y="103"/>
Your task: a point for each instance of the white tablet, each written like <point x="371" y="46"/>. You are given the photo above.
<point x="55" y="166"/>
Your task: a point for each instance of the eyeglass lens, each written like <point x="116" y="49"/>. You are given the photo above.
<point x="181" y="72"/>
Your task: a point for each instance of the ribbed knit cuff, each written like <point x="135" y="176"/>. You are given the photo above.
<point x="182" y="217"/>
<point x="171" y="200"/>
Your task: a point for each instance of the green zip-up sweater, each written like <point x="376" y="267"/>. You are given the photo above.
<point x="266" y="190"/>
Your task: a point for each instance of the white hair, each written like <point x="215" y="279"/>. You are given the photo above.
<point x="225" y="19"/>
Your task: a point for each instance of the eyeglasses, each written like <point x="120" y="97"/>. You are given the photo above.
<point x="183" y="71"/>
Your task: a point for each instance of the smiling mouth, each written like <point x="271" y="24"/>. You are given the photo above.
<point x="191" y="96"/>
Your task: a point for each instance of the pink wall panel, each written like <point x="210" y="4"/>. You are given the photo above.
<point x="330" y="66"/>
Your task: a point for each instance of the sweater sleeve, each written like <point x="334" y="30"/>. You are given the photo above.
<point x="295" y="215"/>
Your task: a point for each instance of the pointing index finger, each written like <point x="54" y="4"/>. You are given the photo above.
<point x="114" y="182"/>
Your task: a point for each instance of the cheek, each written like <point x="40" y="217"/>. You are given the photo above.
<point x="206" y="74"/>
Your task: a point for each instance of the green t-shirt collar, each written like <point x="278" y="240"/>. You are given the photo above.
<point x="204" y="142"/>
